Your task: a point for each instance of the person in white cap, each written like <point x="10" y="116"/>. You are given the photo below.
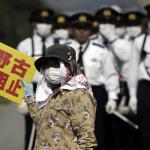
<point x="139" y="83"/>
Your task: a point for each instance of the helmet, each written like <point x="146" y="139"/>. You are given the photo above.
<point x="61" y="51"/>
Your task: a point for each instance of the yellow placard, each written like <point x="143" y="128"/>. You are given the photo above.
<point x="14" y="65"/>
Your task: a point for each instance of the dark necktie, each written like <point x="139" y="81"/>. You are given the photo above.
<point x="80" y="60"/>
<point x="43" y="46"/>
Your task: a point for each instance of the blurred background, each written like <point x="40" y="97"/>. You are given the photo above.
<point x="14" y="27"/>
<point x="14" y="14"/>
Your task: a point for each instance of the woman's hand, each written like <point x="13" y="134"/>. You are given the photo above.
<point x="28" y="88"/>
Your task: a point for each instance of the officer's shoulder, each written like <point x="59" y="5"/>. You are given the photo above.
<point x="98" y="45"/>
<point x="25" y="41"/>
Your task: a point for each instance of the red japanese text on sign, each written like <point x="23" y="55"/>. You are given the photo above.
<point x="3" y="80"/>
<point x="13" y="87"/>
<point x="14" y="65"/>
<point x="4" y="58"/>
<point x="20" y="68"/>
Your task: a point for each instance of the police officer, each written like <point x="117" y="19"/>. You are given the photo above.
<point x="121" y="52"/>
<point x="61" y="28"/>
<point x="106" y="17"/>
<point x="134" y="23"/>
<point x="120" y="22"/>
<point x="134" y="26"/>
<point x="122" y="49"/>
<point x="35" y="45"/>
<point x="139" y="84"/>
<point x="95" y="62"/>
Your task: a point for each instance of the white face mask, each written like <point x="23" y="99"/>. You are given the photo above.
<point x="61" y="33"/>
<point x="120" y="31"/>
<point x="53" y="75"/>
<point x="106" y="29"/>
<point x="133" y="31"/>
<point x="43" y="29"/>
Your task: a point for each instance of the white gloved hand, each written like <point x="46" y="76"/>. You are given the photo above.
<point x="133" y="104"/>
<point x="23" y="108"/>
<point x="111" y="106"/>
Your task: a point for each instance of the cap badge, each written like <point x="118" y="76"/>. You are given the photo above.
<point x="95" y="24"/>
<point x="107" y="13"/>
<point x="44" y="13"/>
<point x="82" y="18"/>
<point x="61" y="19"/>
<point x="132" y="17"/>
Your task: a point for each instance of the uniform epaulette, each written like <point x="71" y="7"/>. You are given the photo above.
<point x="96" y="44"/>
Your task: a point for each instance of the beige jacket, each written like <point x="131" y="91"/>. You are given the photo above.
<point x="66" y="122"/>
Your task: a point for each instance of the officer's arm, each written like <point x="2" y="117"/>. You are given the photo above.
<point x="111" y="76"/>
<point x="133" y="69"/>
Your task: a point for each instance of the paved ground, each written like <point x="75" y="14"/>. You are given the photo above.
<point x="11" y="127"/>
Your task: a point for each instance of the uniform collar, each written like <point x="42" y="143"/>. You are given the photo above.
<point x="84" y="45"/>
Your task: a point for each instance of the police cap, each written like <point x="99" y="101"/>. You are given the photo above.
<point x="82" y="20"/>
<point x="106" y="15"/>
<point x="134" y="18"/>
<point x="61" y="21"/>
<point x="42" y="16"/>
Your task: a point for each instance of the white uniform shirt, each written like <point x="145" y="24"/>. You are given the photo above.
<point x="25" y="46"/>
<point x="137" y="67"/>
<point x="98" y="66"/>
<point x="121" y="49"/>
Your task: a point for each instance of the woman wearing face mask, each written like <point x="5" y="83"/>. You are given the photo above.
<point x="35" y="45"/>
<point x="63" y="107"/>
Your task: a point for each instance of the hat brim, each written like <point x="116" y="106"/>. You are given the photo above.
<point x="42" y="60"/>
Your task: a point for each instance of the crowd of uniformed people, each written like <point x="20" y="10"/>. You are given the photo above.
<point x="113" y="52"/>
